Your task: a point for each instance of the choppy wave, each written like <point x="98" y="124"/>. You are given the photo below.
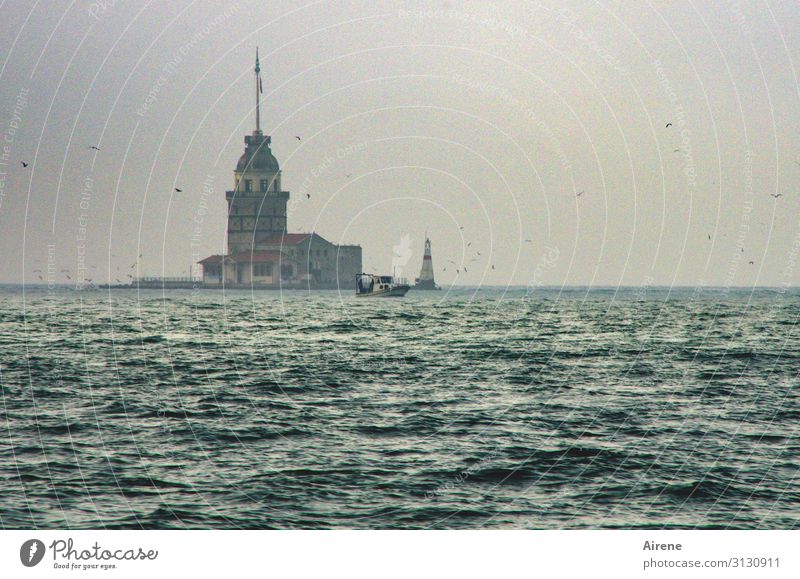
<point x="568" y="409"/>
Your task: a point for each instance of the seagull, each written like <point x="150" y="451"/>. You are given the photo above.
<point x="24" y="164"/>
<point x="492" y="267"/>
<point x="709" y="238"/>
<point x="461" y="228"/>
<point x="308" y="195"/>
<point x="668" y="125"/>
<point x="457" y="272"/>
<point x="93" y="147"/>
<point x="470" y="243"/>
<point x="676" y="150"/>
<point x="178" y="190"/>
<point x="465" y="270"/>
<point x="776" y="195"/>
<point x="298" y="138"/>
<point x="751" y="262"/>
<point x="579" y="194"/>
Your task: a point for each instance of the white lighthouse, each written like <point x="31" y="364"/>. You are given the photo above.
<point x="425" y="280"/>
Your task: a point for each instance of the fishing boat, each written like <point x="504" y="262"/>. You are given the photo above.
<point x="379" y="286"/>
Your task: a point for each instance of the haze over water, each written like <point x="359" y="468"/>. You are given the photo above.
<point x="644" y="408"/>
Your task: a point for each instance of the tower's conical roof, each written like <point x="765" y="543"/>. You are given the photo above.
<point x="257" y="155"/>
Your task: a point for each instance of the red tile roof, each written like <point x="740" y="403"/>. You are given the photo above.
<point x="285" y="239"/>
<point x="212" y="259"/>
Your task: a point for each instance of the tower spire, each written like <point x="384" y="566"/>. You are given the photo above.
<point x="258" y="94"/>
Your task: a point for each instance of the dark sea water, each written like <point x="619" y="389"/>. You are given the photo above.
<point x="488" y="409"/>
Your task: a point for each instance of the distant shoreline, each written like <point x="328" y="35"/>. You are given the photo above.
<point x="444" y="288"/>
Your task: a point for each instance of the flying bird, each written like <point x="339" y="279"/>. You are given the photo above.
<point x="776" y="195"/>
<point x="709" y="238"/>
<point x="24" y="164"/>
<point x="69" y="277"/>
<point x="676" y="150"/>
<point x="348" y="175"/>
<point x="93" y="147"/>
<point x="178" y="190"/>
<point x="668" y="125"/>
<point x="579" y="194"/>
<point x="751" y="262"/>
<point x="492" y="267"/>
<point x="298" y="138"/>
<point x="465" y="270"/>
<point x="308" y="195"/>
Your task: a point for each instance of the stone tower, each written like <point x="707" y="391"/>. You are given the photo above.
<point x="257" y="205"/>
<point x="425" y="280"/>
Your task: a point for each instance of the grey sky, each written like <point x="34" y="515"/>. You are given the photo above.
<point x="486" y="116"/>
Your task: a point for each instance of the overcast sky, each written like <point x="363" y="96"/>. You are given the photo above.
<point x="534" y="133"/>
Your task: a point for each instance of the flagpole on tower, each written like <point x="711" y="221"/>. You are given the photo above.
<point x="258" y="94"/>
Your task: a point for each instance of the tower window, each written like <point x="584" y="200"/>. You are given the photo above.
<point x="248" y="184"/>
<point x="264" y="184"/>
